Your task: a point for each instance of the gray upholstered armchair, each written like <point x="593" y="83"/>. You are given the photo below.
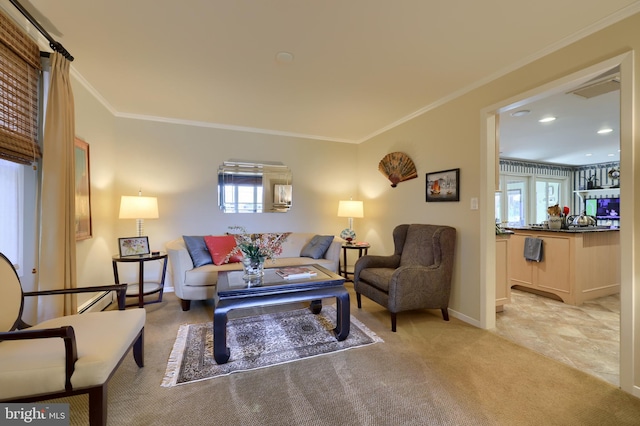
<point x="416" y="276"/>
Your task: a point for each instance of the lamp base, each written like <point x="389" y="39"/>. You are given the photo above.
<point x="348" y="234"/>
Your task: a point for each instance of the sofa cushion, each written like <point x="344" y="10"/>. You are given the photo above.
<point x="197" y="250"/>
<point x="220" y="247"/>
<point x="317" y="246"/>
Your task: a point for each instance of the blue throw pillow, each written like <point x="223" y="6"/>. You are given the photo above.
<point x="197" y="250"/>
<point x="317" y="247"/>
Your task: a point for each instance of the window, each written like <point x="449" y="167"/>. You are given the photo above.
<point x="11" y="211"/>
<point x="242" y="198"/>
<point x="548" y="193"/>
<point x="524" y="199"/>
<point x="20" y="71"/>
<point x="19" y="79"/>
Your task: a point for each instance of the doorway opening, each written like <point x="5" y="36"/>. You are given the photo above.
<point x="492" y="116"/>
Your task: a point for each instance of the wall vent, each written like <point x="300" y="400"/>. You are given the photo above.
<point x="598" y="87"/>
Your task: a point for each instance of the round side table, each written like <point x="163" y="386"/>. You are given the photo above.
<point x="363" y="248"/>
<point x="142" y="288"/>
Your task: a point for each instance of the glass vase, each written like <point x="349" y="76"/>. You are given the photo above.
<point x="253" y="270"/>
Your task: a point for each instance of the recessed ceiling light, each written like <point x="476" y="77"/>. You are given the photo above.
<point x="588" y="155"/>
<point x="284" y="57"/>
<point x="603" y="131"/>
<point x="610" y="155"/>
<point x="547" y="119"/>
<point x="520" y="113"/>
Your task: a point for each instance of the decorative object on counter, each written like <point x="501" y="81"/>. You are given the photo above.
<point x="256" y="248"/>
<point x="555" y="222"/>
<point x="565" y="215"/>
<point x="499" y="229"/>
<point x="592" y="181"/>
<point x="555" y="217"/>
<point x="614" y="175"/>
<point x="397" y="167"/>
<point x="582" y="220"/>
<point x="443" y="186"/>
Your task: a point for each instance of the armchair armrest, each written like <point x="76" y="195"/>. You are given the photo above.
<point x="120" y="289"/>
<point x="70" y="347"/>
<point x="374" y="261"/>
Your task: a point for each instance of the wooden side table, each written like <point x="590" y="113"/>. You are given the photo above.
<point x="142" y="288"/>
<point x="363" y="248"/>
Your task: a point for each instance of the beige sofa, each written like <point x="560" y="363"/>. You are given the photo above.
<point x="191" y="283"/>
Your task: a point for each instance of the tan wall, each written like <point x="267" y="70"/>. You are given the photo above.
<point x="178" y="163"/>
<point x="450" y="136"/>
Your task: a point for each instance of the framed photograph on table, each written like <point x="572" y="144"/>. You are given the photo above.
<point x="133" y="246"/>
<point x="443" y="186"/>
<point x="83" y="192"/>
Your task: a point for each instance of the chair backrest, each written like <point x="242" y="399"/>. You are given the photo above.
<point x="11" y="297"/>
<point x="428" y="244"/>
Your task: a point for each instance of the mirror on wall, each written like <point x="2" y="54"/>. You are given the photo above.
<point x="251" y="187"/>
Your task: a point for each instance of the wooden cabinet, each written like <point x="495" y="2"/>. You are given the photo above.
<point x="575" y="266"/>
<point x="503" y="289"/>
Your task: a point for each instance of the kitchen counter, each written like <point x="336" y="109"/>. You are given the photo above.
<point x="571" y="230"/>
<point x="578" y="264"/>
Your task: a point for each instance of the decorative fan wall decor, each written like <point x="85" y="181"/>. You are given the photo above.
<point x="397" y="167"/>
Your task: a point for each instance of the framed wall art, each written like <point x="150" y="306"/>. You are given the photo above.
<point x="133" y="246"/>
<point x="83" y="190"/>
<point x="443" y="186"/>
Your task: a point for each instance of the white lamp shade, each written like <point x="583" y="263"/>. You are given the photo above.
<point x="350" y="208"/>
<point x="137" y="207"/>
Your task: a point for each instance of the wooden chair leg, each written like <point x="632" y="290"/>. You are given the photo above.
<point x="98" y="406"/>
<point x="393" y="321"/>
<point x="359" y="300"/>
<point x="445" y="314"/>
<point x="186" y="304"/>
<point x="138" y="350"/>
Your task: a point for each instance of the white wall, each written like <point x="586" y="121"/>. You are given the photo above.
<point x="95" y="125"/>
<point x="179" y="163"/>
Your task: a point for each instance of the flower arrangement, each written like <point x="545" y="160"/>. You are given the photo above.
<point x="257" y="247"/>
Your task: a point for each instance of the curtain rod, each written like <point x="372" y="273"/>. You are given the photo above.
<point x="56" y="46"/>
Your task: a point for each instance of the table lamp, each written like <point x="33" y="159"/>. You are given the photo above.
<point x="138" y="208"/>
<point x="350" y="209"/>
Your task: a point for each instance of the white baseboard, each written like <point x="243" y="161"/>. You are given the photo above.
<point x="464" y="318"/>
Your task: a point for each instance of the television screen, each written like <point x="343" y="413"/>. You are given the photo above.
<point x="591" y="206"/>
<point x="603" y="208"/>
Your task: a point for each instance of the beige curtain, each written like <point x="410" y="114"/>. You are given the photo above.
<point x="57" y="229"/>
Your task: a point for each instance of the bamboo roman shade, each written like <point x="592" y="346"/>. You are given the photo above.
<point x="19" y="74"/>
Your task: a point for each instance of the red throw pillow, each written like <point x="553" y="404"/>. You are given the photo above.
<point x="220" y="247"/>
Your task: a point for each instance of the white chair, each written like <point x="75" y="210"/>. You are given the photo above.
<point x="70" y="355"/>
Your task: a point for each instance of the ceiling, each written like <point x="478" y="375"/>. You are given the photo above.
<point x="572" y="138"/>
<point x="356" y="68"/>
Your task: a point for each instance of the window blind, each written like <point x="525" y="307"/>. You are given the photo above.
<point x="19" y="74"/>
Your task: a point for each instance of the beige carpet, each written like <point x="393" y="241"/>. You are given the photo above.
<point x="260" y="341"/>
<point x="430" y="372"/>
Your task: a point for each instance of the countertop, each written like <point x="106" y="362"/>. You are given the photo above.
<point x="571" y="230"/>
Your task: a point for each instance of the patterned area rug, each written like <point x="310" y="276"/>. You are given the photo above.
<point x="259" y="341"/>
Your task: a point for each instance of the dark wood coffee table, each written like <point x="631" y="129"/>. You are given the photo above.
<point x="234" y="293"/>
